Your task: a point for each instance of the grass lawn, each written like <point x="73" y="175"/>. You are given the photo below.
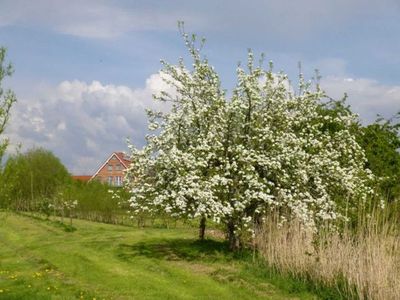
<point x="40" y="260"/>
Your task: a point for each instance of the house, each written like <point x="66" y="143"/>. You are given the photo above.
<point x="112" y="170"/>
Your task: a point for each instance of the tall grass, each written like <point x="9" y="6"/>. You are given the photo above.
<point x="362" y="263"/>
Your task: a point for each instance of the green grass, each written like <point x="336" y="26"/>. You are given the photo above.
<point x="44" y="260"/>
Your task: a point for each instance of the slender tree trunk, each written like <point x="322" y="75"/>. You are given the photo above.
<point x="32" y="198"/>
<point x="202" y="228"/>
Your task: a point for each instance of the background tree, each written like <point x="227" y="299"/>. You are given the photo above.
<point x="381" y="142"/>
<point x="32" y="177"/>
<point x="7" y="98"/>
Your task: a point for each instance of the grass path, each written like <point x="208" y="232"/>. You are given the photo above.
<point x="40" y="260"/>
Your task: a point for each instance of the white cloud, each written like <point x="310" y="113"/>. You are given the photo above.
<point x="83" y="123"/>
<point x="367" y="97"/>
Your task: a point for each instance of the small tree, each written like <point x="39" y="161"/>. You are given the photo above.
<point x="7" y="99"/>
<point x="267" y="148"/>
<point x="70" y="205"/>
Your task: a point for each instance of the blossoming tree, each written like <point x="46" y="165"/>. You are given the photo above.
<point x="236" y="159"/>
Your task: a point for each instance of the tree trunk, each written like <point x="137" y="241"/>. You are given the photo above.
<point x="232" y="238"/>
<point x="32" y="197"/>
<point x="202" y="228"/>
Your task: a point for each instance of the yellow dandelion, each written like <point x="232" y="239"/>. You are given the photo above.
<point x="1" y="291"/>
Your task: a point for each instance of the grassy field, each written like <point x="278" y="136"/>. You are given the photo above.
<point x="41" y="260"/>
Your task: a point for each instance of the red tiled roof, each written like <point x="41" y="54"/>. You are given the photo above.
<point x="123" y="158"/>
<point x="83" y="178"/>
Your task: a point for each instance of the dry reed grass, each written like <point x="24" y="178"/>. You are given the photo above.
<point x="362" y="263"/>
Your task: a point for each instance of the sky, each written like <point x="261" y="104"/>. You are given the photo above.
<point x="85" y="71"/>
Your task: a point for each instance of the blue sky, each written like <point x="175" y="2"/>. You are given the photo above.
<point x="85" y="70"/>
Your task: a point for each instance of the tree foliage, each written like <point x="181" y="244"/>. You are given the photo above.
<point x="381" y="141"/>
<point x="234" y="159"/>
<point x="31" y="177"/>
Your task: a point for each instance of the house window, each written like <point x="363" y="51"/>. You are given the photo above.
<point x="118" y="180"/>
<point x="118" y="167"/>
<point x="110" y="180"/>
<point x="110" y="167"/>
